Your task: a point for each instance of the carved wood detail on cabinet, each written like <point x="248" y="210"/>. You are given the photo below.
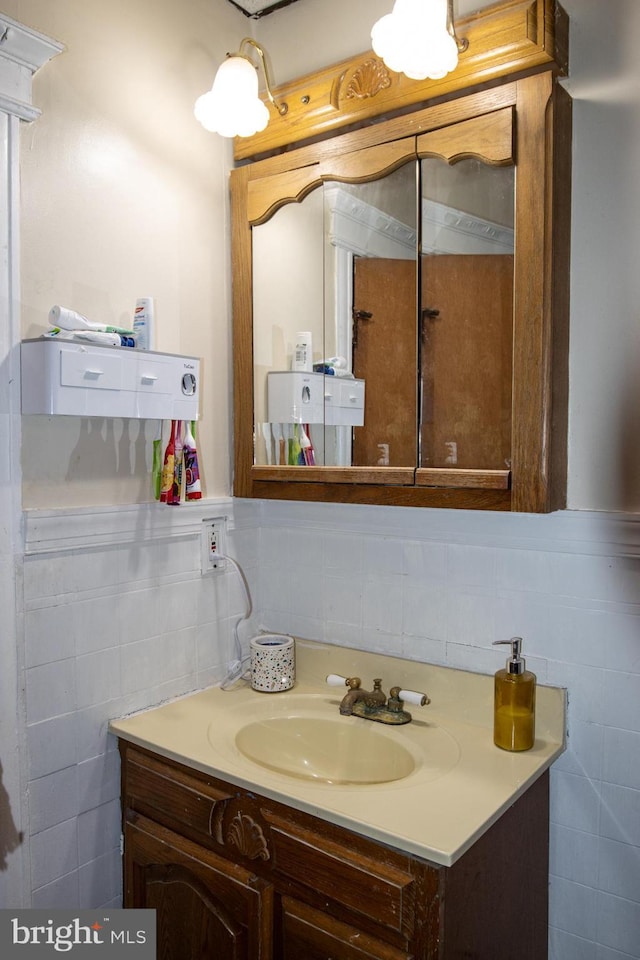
<point x="275" y="883"/>
<point x="247" y="836"/>
<point x="367" y="80"/>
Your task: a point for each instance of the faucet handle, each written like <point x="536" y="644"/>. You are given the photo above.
<point x="410" y="696"/>
<point x="335" y="680"/>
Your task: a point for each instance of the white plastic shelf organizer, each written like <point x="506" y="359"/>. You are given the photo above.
<point x="64" y="377"/>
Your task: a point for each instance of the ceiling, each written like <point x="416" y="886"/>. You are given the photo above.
<point x="260" y="8"/>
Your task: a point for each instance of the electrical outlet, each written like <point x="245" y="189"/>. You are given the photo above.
<point x="213" y="545"/>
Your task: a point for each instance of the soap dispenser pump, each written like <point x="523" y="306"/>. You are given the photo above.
<point x="515" y="702"/>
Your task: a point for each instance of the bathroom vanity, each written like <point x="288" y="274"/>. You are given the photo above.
<point x="448" y="859"/>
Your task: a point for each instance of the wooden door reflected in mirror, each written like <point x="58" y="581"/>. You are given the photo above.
<point x="385" y="357"/>
<point x="466" y="315"/>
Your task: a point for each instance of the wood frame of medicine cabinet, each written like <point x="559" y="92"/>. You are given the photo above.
<point x="537" y="480"/>
<point x="508" y="39"/>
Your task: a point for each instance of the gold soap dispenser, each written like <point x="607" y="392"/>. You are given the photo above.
<point x="514" y="717"/>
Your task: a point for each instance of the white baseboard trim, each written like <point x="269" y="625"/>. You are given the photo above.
<point x="54" y="531"/>
<point x="566" y="531"/>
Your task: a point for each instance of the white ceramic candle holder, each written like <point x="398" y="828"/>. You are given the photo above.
<point x="273" y="663"/>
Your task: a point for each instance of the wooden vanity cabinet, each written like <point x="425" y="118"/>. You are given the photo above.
<point x="234" y="875"/>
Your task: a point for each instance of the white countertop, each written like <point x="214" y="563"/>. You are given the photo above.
<point x="437" y="812"/>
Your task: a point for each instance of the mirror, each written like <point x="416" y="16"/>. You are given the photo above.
<point x="399" y="364"/>
<point x="305" y="259"/>
<point x="466" y="314"/>
<point x="288" y="296"/>
<point x="482" y="424"/>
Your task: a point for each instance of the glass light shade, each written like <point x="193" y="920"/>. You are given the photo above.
<point x="232" y="107"/>
<point x="413" y="39"/>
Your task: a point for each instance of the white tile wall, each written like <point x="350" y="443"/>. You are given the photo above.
<point x="440" y="586"/>
<point x="113" y="622"/>
<point x="112" y="627"/>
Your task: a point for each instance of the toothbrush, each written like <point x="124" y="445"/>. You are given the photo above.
<point x="167" y="470"/>
<point x="176" y="486"/>
<point x="156" y="470"/>
<point x="298" y="430"/>
<point x="306" y="446"/>
<point x="278" y="442"/>
<point x="193" y="489"/>
<point x="266" y="433"/>
<point x="286" y="433"/>
<point x="294" y="445"/>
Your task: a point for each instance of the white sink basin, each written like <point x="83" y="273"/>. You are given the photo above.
<point x="304" y="737"/>
<point x="332" y="751"/>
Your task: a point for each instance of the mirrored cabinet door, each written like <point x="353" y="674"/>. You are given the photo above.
<point x="336" y="274"/>
<point x="288" y="298"/>
<point x="466" y="315"/>
<point x="467" y="198"/>
<point x="374" y="241"/>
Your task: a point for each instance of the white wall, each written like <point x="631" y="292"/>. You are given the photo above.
<point x="604" y="457"/>
<point x="125" y="195"/>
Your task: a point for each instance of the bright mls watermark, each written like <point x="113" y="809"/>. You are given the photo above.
<point x="80" y="934"/>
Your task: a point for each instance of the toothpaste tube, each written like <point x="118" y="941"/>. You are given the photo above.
<point x="68" y="319"/>
<point x="193" y="488"/>
<point x="92" y="336"/>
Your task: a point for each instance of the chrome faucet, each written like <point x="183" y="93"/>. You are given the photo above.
<point x="373" y="704"/>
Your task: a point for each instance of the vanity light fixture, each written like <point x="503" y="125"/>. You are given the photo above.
<point x="418" y="38"/>
<point x="232" y="107"/>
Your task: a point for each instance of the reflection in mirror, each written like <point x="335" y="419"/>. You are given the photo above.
<point x="340" y="266"/>
<point x="288" y="296"/>
<point x="466" y="314"/>
<point x="371" y="316"/>
<point x="353" y="365"/>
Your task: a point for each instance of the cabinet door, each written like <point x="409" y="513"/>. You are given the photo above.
<point x="466" y="364"/>
<point x="207" y="908"/>
<point x="308" y="934"/>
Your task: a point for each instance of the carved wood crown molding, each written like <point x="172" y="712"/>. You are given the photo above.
<point x="22" y="52"/>
<point x="510" y="39"/>
<point x="367" y="80"/>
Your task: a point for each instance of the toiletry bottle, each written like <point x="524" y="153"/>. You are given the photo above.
<point x="193" y="489"/>
<point x="166" y="483"/>
<point x="302" y="351"/>
<point x="143" y="326"/>
<point x="515" y="702"/>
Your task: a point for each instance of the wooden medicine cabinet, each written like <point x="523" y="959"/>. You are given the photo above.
<point x="428" y="248"/>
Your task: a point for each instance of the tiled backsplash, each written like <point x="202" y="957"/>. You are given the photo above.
<point x="439" y="586"/>
<point x="118" y="617"/>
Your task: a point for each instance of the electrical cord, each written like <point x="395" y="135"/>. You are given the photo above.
<point x="237" y="667"/>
